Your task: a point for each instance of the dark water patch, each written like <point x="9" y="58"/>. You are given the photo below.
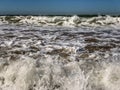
<point x="60" y="52"/>
<point x="10" y="36"/>
<point x="30" y="30"/>
<point x="87" y="33"/>
<point x="24" y="37"/>
<point x="10" y="30"/>
<point x="93" y="48"/>
<point x="18" y="52"/>
<point x="89" y="40"/>
<point x="12" y="19"/>
<point x="34" y="48"/>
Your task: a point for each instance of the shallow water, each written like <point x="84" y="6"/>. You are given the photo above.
<point x="59" y="58"/>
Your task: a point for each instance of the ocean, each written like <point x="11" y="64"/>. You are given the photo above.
<point x="59" y="53"/>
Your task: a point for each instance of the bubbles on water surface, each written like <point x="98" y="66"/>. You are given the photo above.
<point x="59" y="58"/>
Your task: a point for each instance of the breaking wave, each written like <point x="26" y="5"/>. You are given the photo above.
<point x="61" y="20"/>
<point x="53" y="73"/>
<point x="36" y="56"/>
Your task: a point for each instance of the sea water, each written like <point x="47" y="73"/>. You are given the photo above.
<point x="59" y="53"/>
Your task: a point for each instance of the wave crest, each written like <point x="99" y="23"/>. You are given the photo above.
<point x="60" y="20"/>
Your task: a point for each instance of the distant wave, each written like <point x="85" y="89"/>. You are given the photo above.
<point x="75" y="20"/>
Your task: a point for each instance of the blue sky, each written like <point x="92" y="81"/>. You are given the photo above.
<point x="60" y="7"/>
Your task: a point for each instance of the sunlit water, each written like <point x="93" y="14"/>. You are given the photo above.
<point x="59" y="57"/>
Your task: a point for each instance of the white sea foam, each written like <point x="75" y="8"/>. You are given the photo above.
<point x="61" y="20"/>
<point x="49" y="73"/>
<point x="59" y="58"/>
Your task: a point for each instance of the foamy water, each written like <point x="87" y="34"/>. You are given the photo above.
<point x="37" y="53"/>
<point x="69" y="21"/>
